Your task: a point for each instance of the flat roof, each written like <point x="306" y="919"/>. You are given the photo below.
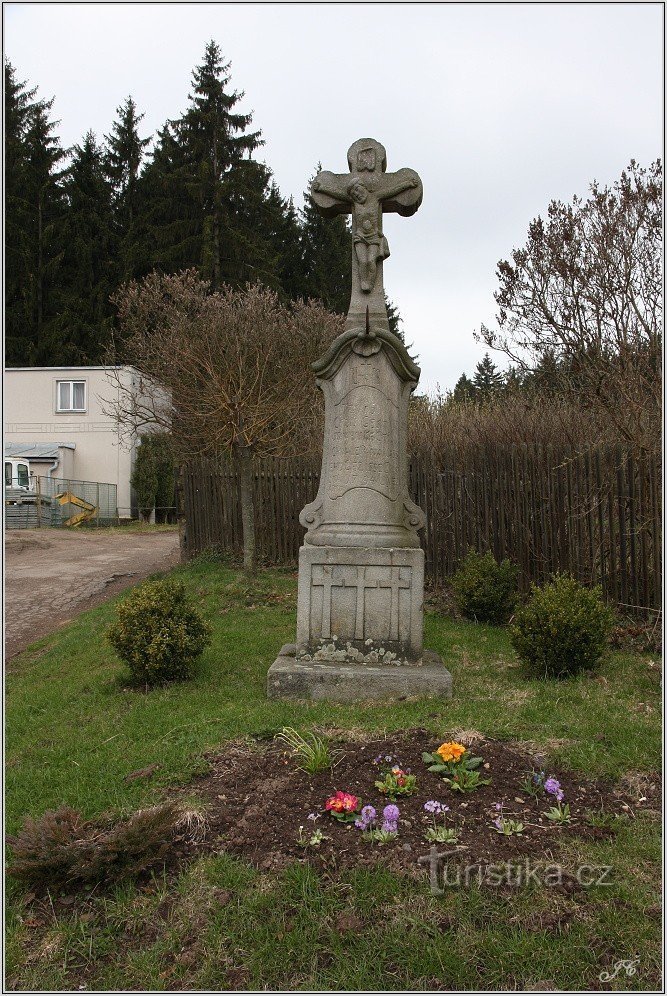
<point x="37" y="451"/>
<point x="118" y="366"/>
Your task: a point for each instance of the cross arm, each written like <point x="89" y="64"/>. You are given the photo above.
<point x="401" y="192"/>
<point x="328" y="192"/>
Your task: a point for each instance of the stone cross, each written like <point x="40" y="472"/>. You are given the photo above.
<point x="367" y="192"/>
<point x="327" y="582"/>
<point x="359" y="631"/>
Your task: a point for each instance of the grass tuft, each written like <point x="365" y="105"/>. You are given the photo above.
<point x="313" y="753"/>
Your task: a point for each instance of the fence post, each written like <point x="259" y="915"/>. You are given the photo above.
<point x="97" y="504"/>
<point x="38" y="504"/>
<point x="181" y="513"/>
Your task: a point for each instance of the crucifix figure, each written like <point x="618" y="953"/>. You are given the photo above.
<point x="367" y="192"/>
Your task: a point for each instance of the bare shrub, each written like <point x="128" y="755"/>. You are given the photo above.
<point x="441" y="428"/>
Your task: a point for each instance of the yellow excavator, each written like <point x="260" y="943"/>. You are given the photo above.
<point x="89" y="510"/>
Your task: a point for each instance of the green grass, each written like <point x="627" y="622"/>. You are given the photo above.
<point x="74" y="730"/>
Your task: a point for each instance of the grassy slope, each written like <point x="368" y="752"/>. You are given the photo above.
<point x="74" y="732"/>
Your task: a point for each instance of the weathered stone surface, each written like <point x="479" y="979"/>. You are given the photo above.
<point x="368" y="602"/>
<point x="361" y="569"/>
<point x="363" y="497"/>
<point x="290" y="678"/>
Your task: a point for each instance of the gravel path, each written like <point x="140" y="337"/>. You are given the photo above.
<point x="51" y="575"/>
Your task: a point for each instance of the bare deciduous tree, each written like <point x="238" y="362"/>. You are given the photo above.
<point x="223" y="372"/>
<point x="587" y="289"/>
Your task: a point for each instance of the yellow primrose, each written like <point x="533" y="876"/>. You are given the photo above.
<point x="451" y="751"/>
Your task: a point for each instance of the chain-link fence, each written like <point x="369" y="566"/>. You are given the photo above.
<point x="57" y="501"/>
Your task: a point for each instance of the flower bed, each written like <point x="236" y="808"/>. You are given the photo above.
<point x="258" y="800"/>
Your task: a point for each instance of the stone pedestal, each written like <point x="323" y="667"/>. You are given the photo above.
<point x="361" y="568"/>
<point x="366" y="602"/>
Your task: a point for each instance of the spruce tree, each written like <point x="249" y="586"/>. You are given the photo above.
<point x="464" y="389"/>
<point x="125" y="150"/>
<point x="215" y="138"/>
<point x="487" y="379"/>
<point x="513" y="381"/>
<point x="144" y="478"/>
<point x="206" y="202"/>
<point x="232" y="188"/>
<point x="284" y="234"/>
<point x="252" y="251"/>
<point x="80" y="330"/>
<point x="168" y="229"/>
<point x="34" y="212"/>
<point x="394" y="318"/>
<point x="45" y="204"/>
<point x="549" y="375"/>
<point x="18" y="324"/>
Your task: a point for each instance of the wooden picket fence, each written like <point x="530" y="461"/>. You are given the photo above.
<point x="596" y="514"/>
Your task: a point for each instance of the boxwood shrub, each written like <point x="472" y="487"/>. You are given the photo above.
<point x="158" y="633"/>
<point x="563" y="628"/>
<point x="485" y="590"/>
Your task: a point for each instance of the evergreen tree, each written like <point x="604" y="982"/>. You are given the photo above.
<point x="34" y="209"/>
<point x="79" y="332"/>
<point x="549" y="375"/>
<point x="464" y="389"/>
<point x="216" y="142"/>
<point x="326" y="245"/>
<point x="18" y="325"/>
<point x="394" y="318"/>
<point x="284" y="233"/>
<point x="251" y="248"/>
<point x="164" y="466"/>
<point x="513" y="381"/>
<point x="487" y="379"/>
<point x="125" y="151"/>
<point x="46" y="208"/>
<point x="144" y="477"/>
<point x="206" y="202"/>
<point x="168" y="229"/>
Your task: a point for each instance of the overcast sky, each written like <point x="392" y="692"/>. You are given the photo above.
<point x="499" y="108"/>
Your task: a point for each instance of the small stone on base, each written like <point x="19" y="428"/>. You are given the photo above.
<point x="290" y="678"/>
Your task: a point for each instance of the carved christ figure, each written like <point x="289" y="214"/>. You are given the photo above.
<point x="365" y="193"/>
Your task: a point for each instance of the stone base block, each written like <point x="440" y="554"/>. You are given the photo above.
<point x="290" y="678"/>
<point x="362" y="597"/>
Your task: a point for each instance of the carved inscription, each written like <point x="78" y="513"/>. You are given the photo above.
<point x="363" y="426"/>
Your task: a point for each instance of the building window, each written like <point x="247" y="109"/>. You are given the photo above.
<point x="71" y="396"/>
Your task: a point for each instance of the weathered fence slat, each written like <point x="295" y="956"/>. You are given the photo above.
<point x="597" y="514"/>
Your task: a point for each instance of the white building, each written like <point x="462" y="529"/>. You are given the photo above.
<point x="59" y="419"/>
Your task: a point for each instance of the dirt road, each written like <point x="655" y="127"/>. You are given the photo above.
<point x="51" y="575"/>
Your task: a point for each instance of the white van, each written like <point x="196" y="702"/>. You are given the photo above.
<point x="18" y="475"/>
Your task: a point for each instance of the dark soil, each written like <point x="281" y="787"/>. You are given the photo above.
<point x="258" y="798"/>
